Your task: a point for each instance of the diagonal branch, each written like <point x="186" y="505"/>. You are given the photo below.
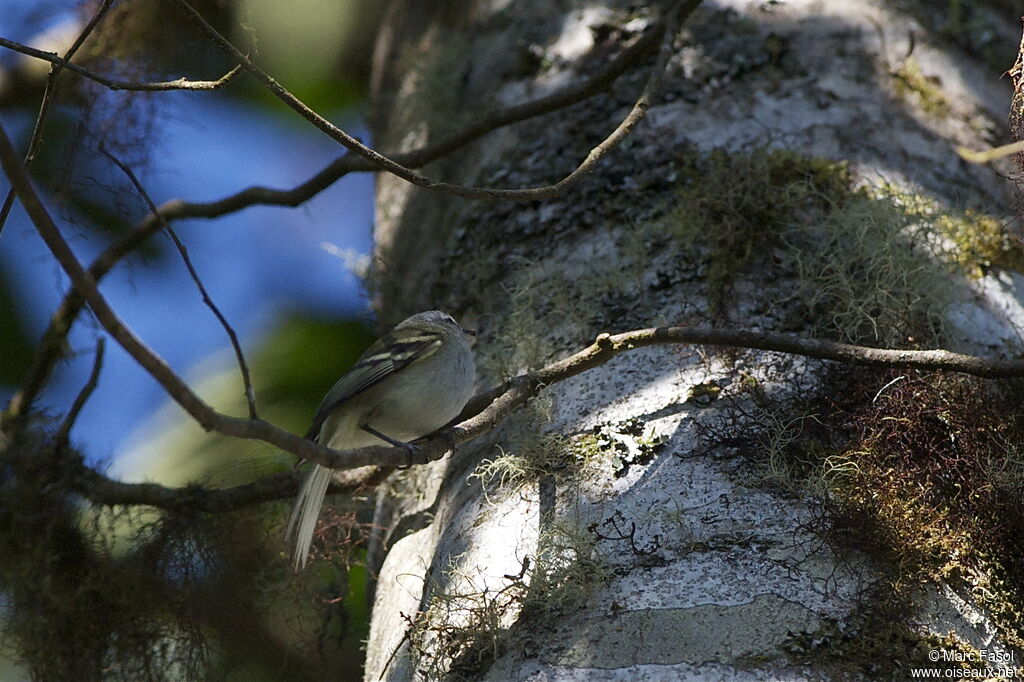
<point x="243" y="368"/>
<point x="675" y="16"/>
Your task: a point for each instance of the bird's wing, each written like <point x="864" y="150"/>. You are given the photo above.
<point x="389" y="354"/>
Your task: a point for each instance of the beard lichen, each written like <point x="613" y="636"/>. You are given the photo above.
<point x="467" y="624"/>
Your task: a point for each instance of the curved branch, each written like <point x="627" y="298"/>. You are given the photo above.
<point x="243" y="368"/>
<point x="675" y="16"/>
<point x="490" y="408"/>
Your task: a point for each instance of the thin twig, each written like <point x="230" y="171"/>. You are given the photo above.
<point x="61" y="439"/>
<point x="49" y="349"/>
<point x="992" y="154"/>
<point x="508" y="399"/>
<point x="250" y="394"/>
<point x="676" y="15"/>
<point x="112" y="84"/>
<point x="566" y="96"/>
<point x="44" y="104"/>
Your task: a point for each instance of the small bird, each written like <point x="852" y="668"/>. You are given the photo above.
<point x="409" y="383"/>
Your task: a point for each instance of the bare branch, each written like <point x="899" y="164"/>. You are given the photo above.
<point x="490" y="408"/>
<point x="44" y="104"/>
<point x="53" y="339"/>
<point x="112" y="84"/>
<point x="676" y="15"/>
<point x="61" y="439"/>
<point x="498" y="403"/>
<point x="250" y="394"/>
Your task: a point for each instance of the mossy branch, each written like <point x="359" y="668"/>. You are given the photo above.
<point x="490" y="408"/>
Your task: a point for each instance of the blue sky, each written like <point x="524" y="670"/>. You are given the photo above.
<point x="255" y="263"/>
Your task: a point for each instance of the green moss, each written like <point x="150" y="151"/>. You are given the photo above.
<point x="911" y="84"/>
<point x="790" y="458"/>
<point x="704" y="393"/>
<point x="979" y="241"/>
<point x="982" y="242"/>
<point x="606" y="450"/>
<point x="546" y="301"/>
<point x="866" y="265"/>
<point x="565" y="572"/>
<point x="544" y="455"/>
<point x="738" y="206"/>
<point x="861" y="260"/>
<point x="529" y="451"/>
<point x="870" y="265"/>
<point x="520" y="342"/>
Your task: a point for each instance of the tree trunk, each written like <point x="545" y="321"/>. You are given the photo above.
<point x="708" y="513"/>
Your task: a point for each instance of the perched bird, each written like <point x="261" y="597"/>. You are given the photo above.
<point x="409" y="383"/>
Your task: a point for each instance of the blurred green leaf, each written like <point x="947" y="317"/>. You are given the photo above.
<point x="304" y="356"/>
<point x="318" y="49"/>
<point x="294" y="367"/>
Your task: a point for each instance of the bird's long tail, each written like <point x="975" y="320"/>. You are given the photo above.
<point x="306" y="511"/>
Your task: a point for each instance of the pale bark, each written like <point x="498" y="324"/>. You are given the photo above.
<point x="739" y="567"/>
